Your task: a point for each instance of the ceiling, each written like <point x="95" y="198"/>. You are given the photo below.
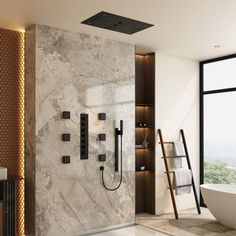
<point x="185" y="28"/>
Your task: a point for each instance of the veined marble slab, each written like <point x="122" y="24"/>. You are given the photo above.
<point x="82" y="74"/>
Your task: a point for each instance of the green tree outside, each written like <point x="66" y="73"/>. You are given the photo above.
<point x="218" y="173"/>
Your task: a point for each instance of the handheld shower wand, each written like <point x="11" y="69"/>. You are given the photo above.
<point x="118" y="132"/>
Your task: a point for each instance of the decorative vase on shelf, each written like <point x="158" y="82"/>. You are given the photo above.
<point x="145" y="142"/>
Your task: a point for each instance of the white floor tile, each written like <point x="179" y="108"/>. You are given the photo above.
<point x="136" y="230"/>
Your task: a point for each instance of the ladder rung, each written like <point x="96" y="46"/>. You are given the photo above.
<point x="173" y="157"/>
<point x="181" y="186"/>
<point x="170" y="172"/>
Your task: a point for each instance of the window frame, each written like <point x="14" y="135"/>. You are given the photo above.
<point x="202" y="94"/>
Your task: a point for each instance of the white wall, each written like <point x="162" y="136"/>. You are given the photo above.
<point x="177" y="106"/>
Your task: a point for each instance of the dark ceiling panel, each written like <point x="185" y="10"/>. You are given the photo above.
<point x="116" y="23"/>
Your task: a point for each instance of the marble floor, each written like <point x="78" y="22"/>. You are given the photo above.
<point x="136" y="230"/>
<point x="188" y="224"/>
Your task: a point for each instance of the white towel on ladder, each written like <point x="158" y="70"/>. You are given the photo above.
<point x="178" y="150"/>
<point x="182" y="177"/>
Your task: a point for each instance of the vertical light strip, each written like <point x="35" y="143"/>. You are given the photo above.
<point x="21" y="184"/>
<point x="12" y="113"/>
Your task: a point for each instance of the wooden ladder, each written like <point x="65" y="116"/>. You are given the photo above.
<point x="168" y="172"/>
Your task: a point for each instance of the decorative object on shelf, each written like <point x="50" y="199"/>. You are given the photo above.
<point x="102" y="116"/>
<point x="142" y="168"/>
<point x="137" y="146"/>
<point x="142" y="124"/>
<point x="66" y="114"/>
<point x="145" y="142"/>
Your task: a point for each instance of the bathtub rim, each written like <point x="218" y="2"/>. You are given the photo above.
<point x="216" y="188"/>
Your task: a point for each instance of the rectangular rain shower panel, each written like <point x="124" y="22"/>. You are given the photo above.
<point x="116" y="23"/>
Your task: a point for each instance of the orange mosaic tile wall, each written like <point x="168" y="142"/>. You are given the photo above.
<point x="12" y="112"/>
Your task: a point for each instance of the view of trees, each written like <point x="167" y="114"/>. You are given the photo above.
<point x="219" y="173"/>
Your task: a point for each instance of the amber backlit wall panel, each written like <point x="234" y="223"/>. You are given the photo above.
<point x="12" y="112"/>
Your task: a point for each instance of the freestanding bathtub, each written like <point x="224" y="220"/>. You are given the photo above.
<point x="221" y="201"/>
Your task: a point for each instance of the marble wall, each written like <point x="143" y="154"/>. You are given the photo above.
<point x="30" y="131"/>
<point x="82" y="74"/>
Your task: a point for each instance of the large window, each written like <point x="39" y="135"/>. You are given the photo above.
<point x="218" y="120"/>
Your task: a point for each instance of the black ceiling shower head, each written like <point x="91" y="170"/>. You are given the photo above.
<point x="116" y="23"/>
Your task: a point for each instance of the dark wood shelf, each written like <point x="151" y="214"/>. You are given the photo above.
<point x="145" y="113"/>
<point x="138" y="171"/>
<point x="144" y="148"/>
<point x="144" y="105"/>
<point x="147" y="170"/>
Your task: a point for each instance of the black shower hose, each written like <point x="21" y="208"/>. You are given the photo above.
<point x="102" y="169"/>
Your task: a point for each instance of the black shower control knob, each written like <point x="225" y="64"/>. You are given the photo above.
<point x="66" y="159"/>
<point x="102" y="116"/>
<point x="102" y="137"/>
<point x="66" y="137"/>
<point x="102" y="157"/>
<point x="66" y="115"/>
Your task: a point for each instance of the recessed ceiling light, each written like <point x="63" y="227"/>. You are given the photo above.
<point x="217" y="46"/>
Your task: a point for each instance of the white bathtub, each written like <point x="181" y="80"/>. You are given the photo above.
<point x="221" y="201"/>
